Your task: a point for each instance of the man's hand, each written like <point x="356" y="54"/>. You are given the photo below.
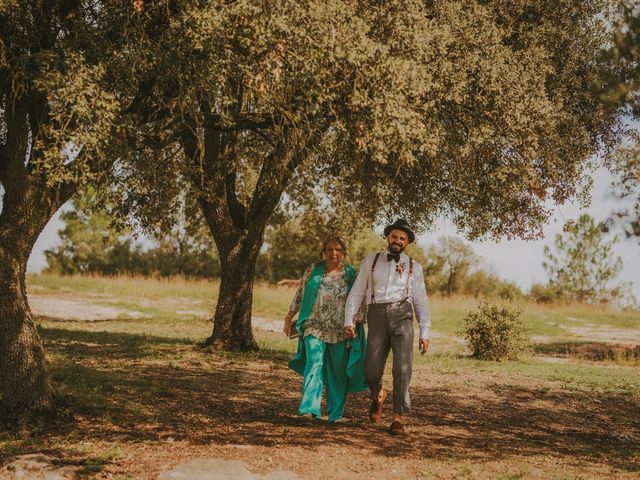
<point x="350" y="332"/>
<point x="423" y="345"/>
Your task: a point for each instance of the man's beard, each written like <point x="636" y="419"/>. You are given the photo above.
<point x="395" y="248"/>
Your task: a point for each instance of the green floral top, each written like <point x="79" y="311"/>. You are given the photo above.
<point x="326" y="321"/>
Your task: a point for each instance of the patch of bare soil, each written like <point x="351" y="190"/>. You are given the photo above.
<point x="605" y="333"/>
<point x="137" y="417"/>
<point x="66" y="309"/>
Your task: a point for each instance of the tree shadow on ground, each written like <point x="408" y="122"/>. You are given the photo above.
<point x="135" y="388"/>
<point x="109" y="345"/>
<point x="516" y="420"/>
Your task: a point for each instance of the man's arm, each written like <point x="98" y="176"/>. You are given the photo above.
<point x="420" y="303"/>
<point x="357" y="293"/>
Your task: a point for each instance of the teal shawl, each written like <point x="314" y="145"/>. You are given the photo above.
<point x="355" y="365"/>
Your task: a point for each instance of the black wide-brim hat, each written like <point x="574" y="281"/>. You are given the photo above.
<point x="400" y="224"/>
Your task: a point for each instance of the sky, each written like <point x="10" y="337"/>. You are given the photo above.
<point x="517" y="260"/>
<point x="521" y="261"/>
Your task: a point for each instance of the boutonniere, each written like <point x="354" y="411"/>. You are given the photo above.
<point x="400" y="268"/>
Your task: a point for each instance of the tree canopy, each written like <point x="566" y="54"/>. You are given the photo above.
<point x="476" y="110"/>
<point x="479" y="111"/>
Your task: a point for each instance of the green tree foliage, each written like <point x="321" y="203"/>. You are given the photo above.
<point x="621" y="87"/>
<point x="290" y="249"/>
<point x="495" y="332"/>
<point x="367" y="242"/>
<point x="452" y="267"/>
<point x="90" y="244"/>
<point x="621" y="78"/>
<point x="548" y="293"/>
<point x="582" y="264"/>
<point x="449" y="263"/>
<point x="484" y="284"/>
<point x="294" y="240"/>
<point x="61" y="122"/>
<point x="478" y="110"/>
<point x="625" y="163"/>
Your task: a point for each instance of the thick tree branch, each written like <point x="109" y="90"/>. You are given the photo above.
<point x="39" y="115"/>
<point x="3" y="167"/>
<point x="4" y="77"/>
<point x="240" y="122"/>
<point x="15" y="148"/>
<point x="208" y="178"/>
<point x="140" y="103"/>
<point x="237" y="210"/>
<point x="277" y="170"/>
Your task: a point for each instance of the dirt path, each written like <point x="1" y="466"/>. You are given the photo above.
<point x="141" y="413"/>
<point x="78" y="309"/>
<point x="148" y="407"/>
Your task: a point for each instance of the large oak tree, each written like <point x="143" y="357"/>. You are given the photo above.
<point x="65" y="95"/>
<point x="482" y="111"/>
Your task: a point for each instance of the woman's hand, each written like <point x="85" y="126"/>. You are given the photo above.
<point x="287" y="325"/>
<point x="350" y="332"/>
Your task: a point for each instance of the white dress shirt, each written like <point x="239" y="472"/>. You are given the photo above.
<point x="390" y="285"/>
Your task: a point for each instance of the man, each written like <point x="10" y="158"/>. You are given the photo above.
<point x="391" y="283"/>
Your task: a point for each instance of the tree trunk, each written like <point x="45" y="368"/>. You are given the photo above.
<point x="232" y="320"/>
<point x="238" y="228"/>
<point x="26" y="389"/>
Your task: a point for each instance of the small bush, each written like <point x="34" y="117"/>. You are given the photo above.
<point x="495" y="332"/>
<point x="548" y="293"/>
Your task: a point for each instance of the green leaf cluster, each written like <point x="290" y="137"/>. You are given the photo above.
<point x="91" y="244"/>
<point x="582" y="264"/>
<point x="480" y="111"/>
<point x="495" y="332"/>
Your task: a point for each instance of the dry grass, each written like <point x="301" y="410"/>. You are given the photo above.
<point x="144" y="400"/>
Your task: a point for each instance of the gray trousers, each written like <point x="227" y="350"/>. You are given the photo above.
<point x="390" y="328"/>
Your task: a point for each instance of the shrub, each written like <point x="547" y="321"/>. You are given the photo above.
<point x="548" y="293"/>
<point x="495" y="332"/>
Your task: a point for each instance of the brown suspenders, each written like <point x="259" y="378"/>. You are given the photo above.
<point x="373" y="267"/>
<point x="406" y="287"/>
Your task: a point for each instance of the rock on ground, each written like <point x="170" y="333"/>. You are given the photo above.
<point x="216" y="469"/>
<point x="36" y="466"/>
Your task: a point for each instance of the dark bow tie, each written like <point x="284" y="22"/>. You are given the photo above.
<point x="393" y="256"/>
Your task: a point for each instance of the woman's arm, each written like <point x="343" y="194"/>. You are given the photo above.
<point x="297" y="300"/>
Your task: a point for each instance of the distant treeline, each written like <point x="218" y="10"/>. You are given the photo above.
<point x="89" y="245"/>
<point x="581" y="266"/>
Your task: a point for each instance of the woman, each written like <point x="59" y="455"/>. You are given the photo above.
<point x="324" y="355"/>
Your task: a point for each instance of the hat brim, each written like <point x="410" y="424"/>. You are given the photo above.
<point x="410" y="234"/>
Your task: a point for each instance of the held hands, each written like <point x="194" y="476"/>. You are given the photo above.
<point x="350" y="332"/>
<point x="423" y="345"/>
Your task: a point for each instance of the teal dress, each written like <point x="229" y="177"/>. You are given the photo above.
<point x="324" y="357"/>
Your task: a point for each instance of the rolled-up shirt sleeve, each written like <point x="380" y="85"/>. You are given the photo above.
<point x="357" y="293"/>
<point x="421" y="303"/>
